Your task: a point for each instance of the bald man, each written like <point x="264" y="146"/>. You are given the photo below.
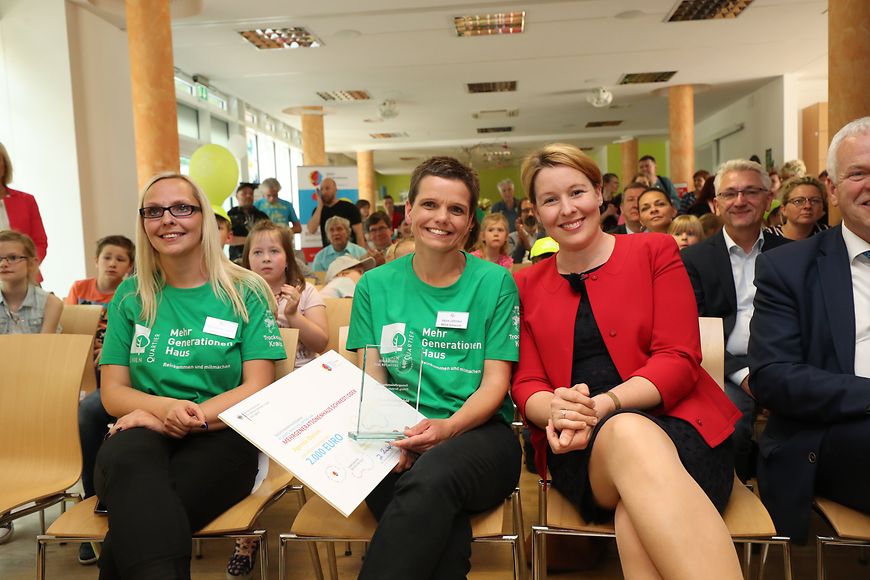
<point x="328" y="205"/>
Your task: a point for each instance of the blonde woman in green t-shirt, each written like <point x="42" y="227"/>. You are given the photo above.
<point x="457" y="315"/>
<point x="189" y="336"/>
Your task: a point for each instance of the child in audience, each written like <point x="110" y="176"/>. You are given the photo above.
<point x="188" y="337"/>
<point x="269" y="252"/>
<point x="711" y="223"/>
<point x="656" y="210"/>
<point x="343" y="274"/>
<point x="686" y="230"/>
<point x="542" y="249"/>
<point x="26" y="308"/>
<point x="402" y="247"/>
<point x="225" y="228"/>
<point x="114" y="261"/>
<point x="493" y="243"/>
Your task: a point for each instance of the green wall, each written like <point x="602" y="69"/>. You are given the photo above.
<point x="489" y="178"/>
<point x="658" y="149"/>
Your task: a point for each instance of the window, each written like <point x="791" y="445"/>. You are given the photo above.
<point x="188" y="121"/>
<point x="220" y="132"/>
<point x="253" y="169"/>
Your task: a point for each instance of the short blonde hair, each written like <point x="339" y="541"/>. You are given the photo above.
<point x="7" y="163"/>
<point x="793" y="168"/>
<point x="790" y="185"/>
<point x="488" y="219"/>
<point x="741" y="165"/>
<point x="557" y="155"/>
<point x="684" y="224"/>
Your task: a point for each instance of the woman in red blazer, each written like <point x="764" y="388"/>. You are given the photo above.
<point x="21" y="209"/>
<point x="609" y="380"/>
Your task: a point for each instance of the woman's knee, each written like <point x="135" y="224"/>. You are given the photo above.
<point x="131" y="450"/>
<point x="634" y="437"/>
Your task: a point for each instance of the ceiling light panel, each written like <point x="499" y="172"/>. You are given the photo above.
<point x="344" y="96"/>
<point x="483" y="130"/>
<point x="707" y="10"/>
<point x="646" y="77"/>
<point x="388" y="135"/>
<point x="490" y="24"/>
<point x="495" y="113"/>
<point x="274" y="38"/>
<point x="496" y="87"/>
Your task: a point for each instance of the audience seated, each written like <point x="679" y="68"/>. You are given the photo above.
<point x="115" y="255"/>
<point x="722" y="269"/>
<point x="803" y="203"/>
<point x="623" y="416"/>
<point x="25" y="308"/>
<point x="712" y="224"/>
<point x="380" y="236"/>
<point x="243" y="217"/>
<point x="609" y="209"/>
<point x="793" y="168"/>
<point x="809" y="352"/>
<point x="402" y="247"/>
<point x="688" y="200"/>
<point x="343" y="275"/>
<point x="338" y="230"/>
<point x="280" y="211"/>
<point x="686" y="231"/>
<point x="527" y="232"/>
<point x="330" y="205"/>
<point x="656" y="210"/>
<point x="704" y="204"/>
<point x="646" y="165"/>
<point x="629" y="211"/>
<point x="463" y="458"/>
<point x="396" y="214"/>
<point x="492" y="244"/>
<point x="508" y="206"/>
<point x="543" y="249"/>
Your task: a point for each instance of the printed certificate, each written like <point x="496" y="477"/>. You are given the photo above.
<point x="302" y="422"/>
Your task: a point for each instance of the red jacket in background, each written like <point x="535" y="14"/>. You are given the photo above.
<point x="24" y="217"/>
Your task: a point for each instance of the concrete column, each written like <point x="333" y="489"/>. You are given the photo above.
<point x="155" y="120"/>
<point x="313" y="143"/>
<point x="848" y="75"/>
<point x="628" y="150"/>
<point x="681" y="126"/>
<point x="365" y="166"/>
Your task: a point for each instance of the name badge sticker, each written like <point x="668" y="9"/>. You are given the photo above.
<point x="452" y="320"/>
<point x="218" y="327"/>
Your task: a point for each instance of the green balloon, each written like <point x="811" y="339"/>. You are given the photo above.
<point x="215" y="171"/>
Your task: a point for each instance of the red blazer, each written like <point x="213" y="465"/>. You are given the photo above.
<point x="645" y="309"/>
<point x="24" y="217"/>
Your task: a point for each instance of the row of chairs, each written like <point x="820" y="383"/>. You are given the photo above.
<point x="42" y="472"/>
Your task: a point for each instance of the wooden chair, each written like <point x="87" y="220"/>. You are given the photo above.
<point x="337" y="315"/>
<point x="517" y="267"/>
<point x="745" y="516"/>
<point x="40" y="455"/>
<point x="83" y="319"/>
<point x="852" y="528"/>
<point x="320" y="278"/>
<point x="317" y="521"/>
<point x="80" y="524"/>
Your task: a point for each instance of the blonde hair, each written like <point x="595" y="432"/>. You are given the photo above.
<point x="29" y="248"/>
<point x="7" y="163"/>
<point x="226" y="278"/>
<point x="793" y="168"/>
<point x="788" y="187"/>
<point x="488" y="219"/>
<point x="557" y="155"/>
<point x="686" y="224"/>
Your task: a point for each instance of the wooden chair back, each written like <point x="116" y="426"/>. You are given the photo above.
<point x="337" y="315"/>
<point x="517" y="267"/>
<point x="40" y="453"/>
<point x="713" y="348"/>
<point x="290" y="336"/>
<point x="83" y="319"/>
<point x="320" y="278"/>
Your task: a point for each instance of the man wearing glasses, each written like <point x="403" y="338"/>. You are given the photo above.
<point x="722" y="271"/>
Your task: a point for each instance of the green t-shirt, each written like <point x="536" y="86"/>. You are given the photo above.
<point x="410" y="321"/>
<point x="197" y="345"/>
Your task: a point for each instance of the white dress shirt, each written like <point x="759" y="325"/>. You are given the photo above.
<point x="743" y="271"/>
<point x="859" y="264"/>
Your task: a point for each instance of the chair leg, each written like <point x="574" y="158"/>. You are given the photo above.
<point x="515" y="557"/>
<point x="347" y="549"/>
<point x="765" y="550"/>
<point x="519" y="528"/>
<point x="264" y="557"/>
<point x="333" y="565"/>
<point x="40" y="559"/>
<point x="786" y="559"/>
<point x="197" y="548"/>
<point x="747" y="560"/>
<point x="539" y="554"/>
<point x="42" y="521"/>
<point x="315" y="560"/>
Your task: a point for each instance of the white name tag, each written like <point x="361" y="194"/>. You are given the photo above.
<point x="452" y="320"/>
<point x="220" y="327"/>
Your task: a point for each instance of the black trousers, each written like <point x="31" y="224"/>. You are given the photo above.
<point x="160" y="490"/>
<point x="93" y="426"/>
<point x="424" y="524"/>
<point x="843" y="470"/>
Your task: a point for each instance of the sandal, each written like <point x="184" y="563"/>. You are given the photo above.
<point x="241" y="564"/>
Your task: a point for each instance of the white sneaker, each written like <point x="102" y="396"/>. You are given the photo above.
<point x="6" y="532"/>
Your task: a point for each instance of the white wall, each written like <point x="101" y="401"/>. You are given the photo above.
<point x="37" y="126"/>
<point x="104" y="128"/>
<point x="770" y="119"/>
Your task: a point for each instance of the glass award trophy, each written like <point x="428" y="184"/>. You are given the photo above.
<point x="385" y="411"/>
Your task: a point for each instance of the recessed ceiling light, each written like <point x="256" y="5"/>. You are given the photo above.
<point x="489" y="24"/>
<point x="495" y="113"/>
<point x="273" y="38"/>
<point x="496" y="87"/>
<point x="344" y="96"/>
<point x="707" y="10"/>
<point x="398" y="135"/>
<point x="646" y="77"/>
<point x="596" y="124"/>
<point x="482" y="130"/>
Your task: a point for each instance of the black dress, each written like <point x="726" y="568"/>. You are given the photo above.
<point x="711" y="468"/>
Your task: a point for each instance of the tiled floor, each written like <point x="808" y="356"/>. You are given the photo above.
<point x="489" y="562"/>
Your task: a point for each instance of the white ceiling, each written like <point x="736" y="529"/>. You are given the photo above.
<point x="406" y="50"/>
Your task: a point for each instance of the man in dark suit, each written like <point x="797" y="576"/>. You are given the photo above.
<point x="722" y="270"/>
<point x="628" y="208"/>
<point x="810" y="352"/>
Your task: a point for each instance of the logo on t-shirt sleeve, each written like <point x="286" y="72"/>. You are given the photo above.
<point x="141" y="340"/>
<point x="392" y="337"/>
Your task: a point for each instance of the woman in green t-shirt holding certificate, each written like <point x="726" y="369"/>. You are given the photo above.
<point x="447" y="323"/>
<point x="190" y="335"/>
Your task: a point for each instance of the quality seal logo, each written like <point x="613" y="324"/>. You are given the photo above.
<point x="392" y="337"/>
<point x="141" y="339"/>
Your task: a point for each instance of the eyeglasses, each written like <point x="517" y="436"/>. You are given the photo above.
<point x="377" y="229"/>
<point x="153" y="212"/>
<point x="12" y="259"/>
<point x="802" y="201"/>
<point x="750" y="193"/>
